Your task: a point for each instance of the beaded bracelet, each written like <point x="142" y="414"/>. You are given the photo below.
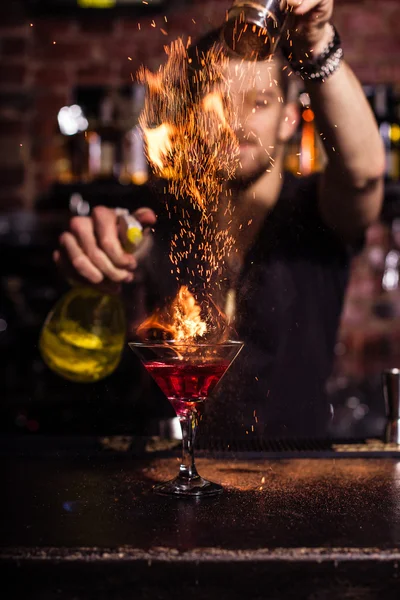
<point x="323" y="66"/>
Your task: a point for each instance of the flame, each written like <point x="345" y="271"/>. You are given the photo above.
<point x="182" y="321"/>
<point x="188" y="123"/>
<point x="213" y="102"/>
<point x="159" y="144"/>
<point x="187" y="320"/>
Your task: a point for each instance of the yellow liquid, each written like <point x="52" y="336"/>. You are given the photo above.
<point x="75" y="348"/>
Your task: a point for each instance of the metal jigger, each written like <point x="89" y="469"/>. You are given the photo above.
<point x="391" y="393"/>
<point x="252" y="29"/>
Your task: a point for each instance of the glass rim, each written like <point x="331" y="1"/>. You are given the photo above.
<point x="173" y="343"/>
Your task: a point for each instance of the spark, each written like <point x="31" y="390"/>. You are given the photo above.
<point x="188" y="124"/>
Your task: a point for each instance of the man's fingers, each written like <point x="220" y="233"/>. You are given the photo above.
<point x="105" y="227"/>
<point x="145" y="216"/>
<point x="84" y="232"/>
<point x="301" y="7"/>
<point x="313" y="10"/>
<point x="92" y="251"/>
<point x="78" y="259"/>
<point x="64" y="264"/>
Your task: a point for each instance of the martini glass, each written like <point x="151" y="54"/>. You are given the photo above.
<point x="187" y="373"/>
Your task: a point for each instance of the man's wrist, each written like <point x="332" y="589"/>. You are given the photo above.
<point x="313" y="45"/>
<point x="312" y="66"/>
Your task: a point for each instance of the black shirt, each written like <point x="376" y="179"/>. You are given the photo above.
<point x="289" y="299"/>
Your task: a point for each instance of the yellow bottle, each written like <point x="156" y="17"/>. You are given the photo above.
<point x="83" y="336"/>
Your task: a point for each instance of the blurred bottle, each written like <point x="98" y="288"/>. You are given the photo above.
<point x="71" y="151"/>
<point x="369" y="338"/>
<point x="387" y="111"/>
<point x="395" y="136"/>
<point x="105" y="141"/>
<point x="83" y="336"/>
<point x="387" y="305"/>
<point x="304" y="152"/>
<point x="253" y="29"/>
<point x="135" y="166"/>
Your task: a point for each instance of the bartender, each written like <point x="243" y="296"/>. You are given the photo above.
<point x="293" y="260"/>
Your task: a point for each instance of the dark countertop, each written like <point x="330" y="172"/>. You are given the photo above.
<point x="77" y="527"/>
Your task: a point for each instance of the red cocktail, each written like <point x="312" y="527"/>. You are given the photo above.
<point x="187" y="374"/>
<point x="186" y="386"/>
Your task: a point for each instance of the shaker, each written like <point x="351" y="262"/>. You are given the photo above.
<point x="253" y="29"/>
<point x="391" y="393"/>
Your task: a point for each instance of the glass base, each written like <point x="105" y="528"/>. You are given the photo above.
<point x="194" y="488"/>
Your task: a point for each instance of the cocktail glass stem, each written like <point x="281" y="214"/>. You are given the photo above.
<point x="189" y="421"/>
<point x="188" y="482"/>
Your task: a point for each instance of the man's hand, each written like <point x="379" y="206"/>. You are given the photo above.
<point x="91" y="251"/>
<point x="309" y="25"/>
<point x="351" y="192"/>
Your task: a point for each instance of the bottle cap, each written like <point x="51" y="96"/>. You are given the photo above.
<point x="130" y="230"/>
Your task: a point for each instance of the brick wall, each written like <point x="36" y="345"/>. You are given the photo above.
<point x="41" y="60"/>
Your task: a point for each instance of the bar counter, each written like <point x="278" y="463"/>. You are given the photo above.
<point x="79" y="524"/>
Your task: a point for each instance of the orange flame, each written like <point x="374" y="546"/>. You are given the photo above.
<point x="213" y="102"/>
<point x="159" y="144"/>
<point x="181" y="321"/>
<point x="195" y="108"/>
<point x="189" y="125"/>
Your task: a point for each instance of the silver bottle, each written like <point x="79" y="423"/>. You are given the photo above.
<point x="253" y="29"/>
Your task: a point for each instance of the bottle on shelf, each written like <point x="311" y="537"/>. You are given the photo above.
<point x="386" y="111"/>
<point x="105" y="141"/>
<point x="305" y="153"/>
<point x="83" y="336"/>
<point x="135" y="166"/>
